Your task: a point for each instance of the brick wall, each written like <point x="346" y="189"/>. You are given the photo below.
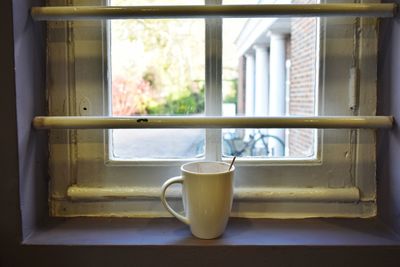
<point x="302" y="81"/>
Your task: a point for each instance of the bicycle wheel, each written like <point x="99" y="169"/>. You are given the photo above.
<point x="260" y="148"/>
<point x="265" y="146"/>
<point x="227" y="149"/>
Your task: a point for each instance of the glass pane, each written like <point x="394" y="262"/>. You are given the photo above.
<point x="157" y="68"/>
<point x="157" y="143"/>
<point x="269" y="69"/>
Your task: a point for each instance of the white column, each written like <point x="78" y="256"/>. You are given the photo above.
<point x="249" y="90"/>
<point x="277" y="89"/>
<point x="249" y="84"/>
<point x="261" y="80"/>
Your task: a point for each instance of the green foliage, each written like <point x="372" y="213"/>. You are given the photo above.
<point x="157" y="64"/>
<point x="231" y="95"/>
<point x="167" y="53"/>
<point x="184" y="103"/>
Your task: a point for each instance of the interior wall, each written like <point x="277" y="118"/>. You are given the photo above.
<point x="29" y="85"/>
<point x="9" y="203"/>
<point x="388" y="143"/>
<point x="29" y="56"/>
<point x="22" y="97"/>
<point x="23" y="158"/>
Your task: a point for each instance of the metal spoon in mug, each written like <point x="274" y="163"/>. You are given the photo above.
<point x="233" y="160"/>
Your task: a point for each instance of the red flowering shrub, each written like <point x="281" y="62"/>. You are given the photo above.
<point x="130" y="97"/>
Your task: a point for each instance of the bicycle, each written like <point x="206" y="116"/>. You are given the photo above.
<point x="258" y="144"/>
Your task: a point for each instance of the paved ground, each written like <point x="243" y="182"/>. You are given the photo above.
<point x="157" y="143"/>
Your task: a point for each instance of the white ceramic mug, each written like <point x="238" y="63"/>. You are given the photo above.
<point x="207" y="195"/>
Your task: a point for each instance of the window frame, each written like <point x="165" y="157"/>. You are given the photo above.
<point x="80" y="158"/>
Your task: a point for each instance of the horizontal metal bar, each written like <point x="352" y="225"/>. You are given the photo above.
<point x="200" y="11"/>
<point x="274" y="194"/>
<point x="91" y="122"/>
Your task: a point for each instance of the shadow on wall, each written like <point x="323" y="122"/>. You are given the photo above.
<point x="388" y="142"/>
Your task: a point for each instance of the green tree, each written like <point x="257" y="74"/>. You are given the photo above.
<point x="166" y="53"/>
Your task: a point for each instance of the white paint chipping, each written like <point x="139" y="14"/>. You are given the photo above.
<point x="344" y="195"/>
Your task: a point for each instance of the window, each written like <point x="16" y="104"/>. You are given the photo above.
<point x="163" y="74"/>
<point x="314" y="173"/>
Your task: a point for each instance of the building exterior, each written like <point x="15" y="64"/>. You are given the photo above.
<point x="278" y="75"/>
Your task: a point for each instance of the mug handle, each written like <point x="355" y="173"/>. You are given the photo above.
<point x="174" y="180"/>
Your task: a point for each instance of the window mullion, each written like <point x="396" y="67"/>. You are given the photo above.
<point x="213" y="92"/>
